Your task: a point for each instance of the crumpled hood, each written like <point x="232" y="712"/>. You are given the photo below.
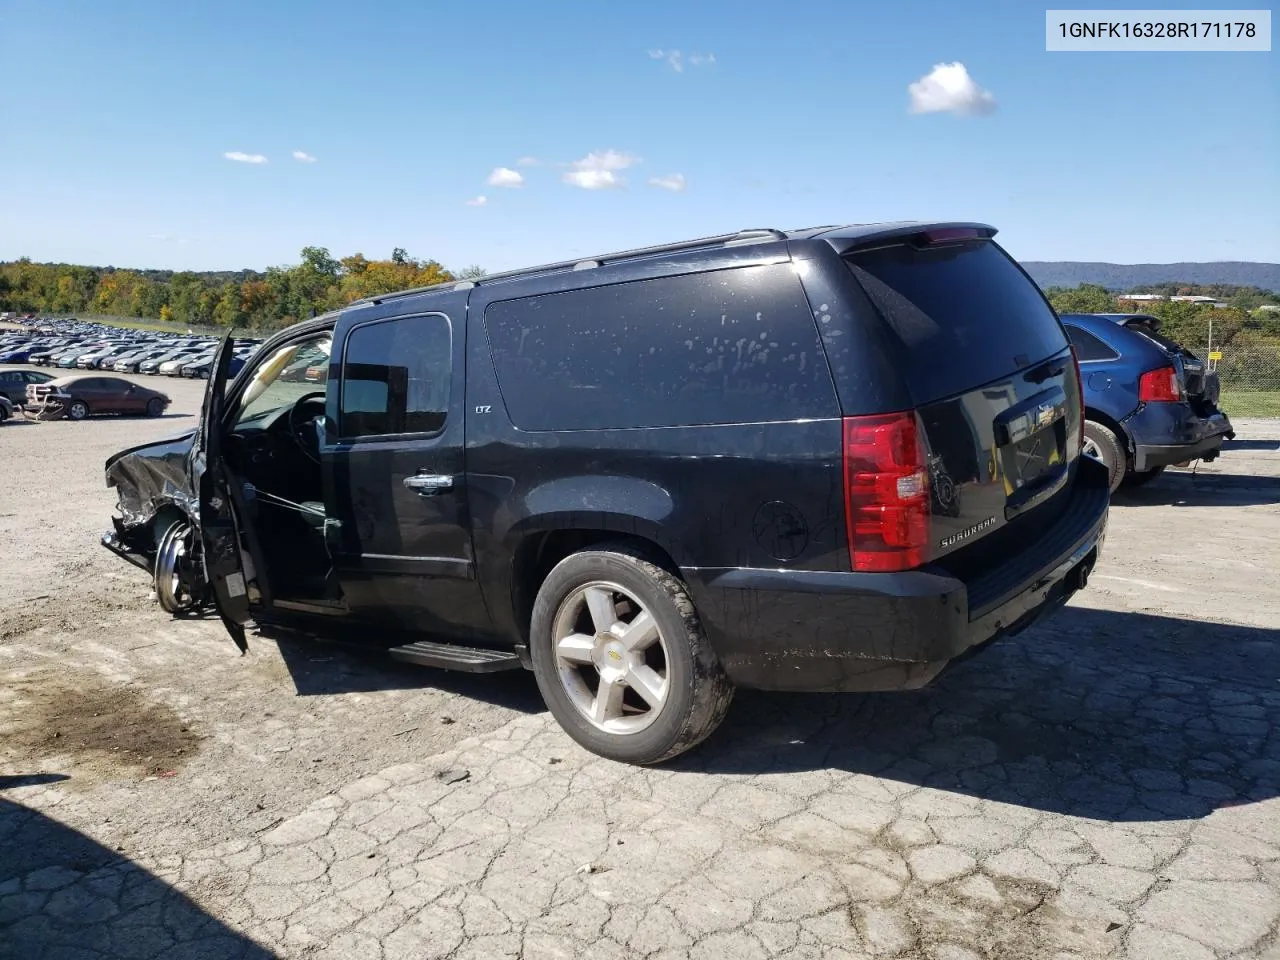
<point x="151" y="475"/>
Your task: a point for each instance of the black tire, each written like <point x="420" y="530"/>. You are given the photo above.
<point x="698" y="691"/>
<point x="1133" y="479"/>
<point x="1109" y="451"/>
<point x="77" y="410"/>
<point x="155" y="407"/>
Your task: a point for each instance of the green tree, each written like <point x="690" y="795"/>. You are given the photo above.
<point x="1086" y="298"/>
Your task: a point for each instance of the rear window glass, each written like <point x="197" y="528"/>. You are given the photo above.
<point x="727" y="346"/>
<point x="1150" y="330"/>
<point x="965" y="314"/>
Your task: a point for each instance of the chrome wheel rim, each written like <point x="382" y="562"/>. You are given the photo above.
<point x="78" y="411"/>
<point x="171" y="590"/>
<point x="611" y="658"/>
<point x="1090" y="449"/>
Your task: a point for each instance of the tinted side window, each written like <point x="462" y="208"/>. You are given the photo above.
<point x="395" y="377"/>
<point x="1089" y="347"/>
<point x="729" y="346"/>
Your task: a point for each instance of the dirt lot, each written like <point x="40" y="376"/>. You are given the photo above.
<point x="1107" y="784"/>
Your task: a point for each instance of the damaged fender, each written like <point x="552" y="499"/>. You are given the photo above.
<point x="154" y="494"/>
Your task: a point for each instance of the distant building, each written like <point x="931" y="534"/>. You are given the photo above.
<point x="1155" y="297"/>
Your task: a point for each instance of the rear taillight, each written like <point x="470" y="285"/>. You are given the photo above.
<point x="1160" y="386"/>
<point x="886" y="487"/>
<point x="1075" y="363"/>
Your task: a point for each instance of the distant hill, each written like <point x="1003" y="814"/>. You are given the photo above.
<point x="1125" y="276"/>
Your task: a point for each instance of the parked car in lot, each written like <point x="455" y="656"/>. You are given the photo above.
<point x="131" y="362"/>
<point x="832" y="459"/>
<point x="200" y="367"/>
<point x="96" y="359"/>
<point x="153" y="364"/>
<point x="80" y="396"/>
<point x="13" y="383"/>
<point x="1149" y="402"/>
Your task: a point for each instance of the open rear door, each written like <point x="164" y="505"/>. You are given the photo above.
<point x="211" y="483"/>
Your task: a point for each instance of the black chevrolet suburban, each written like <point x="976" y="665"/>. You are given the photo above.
<point x="832" y="459"/>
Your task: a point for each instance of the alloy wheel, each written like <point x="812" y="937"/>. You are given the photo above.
<point x="611" y="657"/>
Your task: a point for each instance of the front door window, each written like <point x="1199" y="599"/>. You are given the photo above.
<point x="290" y="372"/>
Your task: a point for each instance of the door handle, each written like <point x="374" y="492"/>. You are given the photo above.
<point x="429" y="484"/>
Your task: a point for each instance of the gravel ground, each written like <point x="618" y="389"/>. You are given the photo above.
<point x="1107" y="784"/>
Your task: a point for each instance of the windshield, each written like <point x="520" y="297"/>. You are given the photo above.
<point x="289" y="373"/>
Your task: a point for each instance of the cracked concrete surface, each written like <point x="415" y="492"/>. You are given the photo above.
<point x="1107" y="784"/>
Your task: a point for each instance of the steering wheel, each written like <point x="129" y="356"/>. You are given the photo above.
<point x="297" y="422"/>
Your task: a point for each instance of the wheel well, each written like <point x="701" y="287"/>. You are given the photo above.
<point x="165" y="517"/>
<point x="1097" y="416"/>
<point x="540" y="552"/>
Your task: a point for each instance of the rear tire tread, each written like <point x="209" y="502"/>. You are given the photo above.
<point x="709" y="690"/>
<point x="1113" y="453"/>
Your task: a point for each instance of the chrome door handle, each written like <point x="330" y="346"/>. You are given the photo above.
<point x="429" y="484"/>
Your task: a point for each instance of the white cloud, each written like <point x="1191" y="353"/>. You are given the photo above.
<point x="677" y="60"/>
<point x="477" y="201"/>
<point x="675" y="182"/>
<point x="598" y="170"/>
<point x="948" y="88"/>
<point x="159" y="236"/>
<point x="303" y="157"/>
<point x="240" y="157"/>
<point x="505" y="177"/>
<point x="528" y="162"/>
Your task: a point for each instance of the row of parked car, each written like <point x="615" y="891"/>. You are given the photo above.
<point x="72" y="345"/>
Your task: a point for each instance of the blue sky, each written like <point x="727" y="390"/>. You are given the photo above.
<point x="118" y="118"/>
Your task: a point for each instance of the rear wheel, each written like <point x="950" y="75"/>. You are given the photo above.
<point x="1102" y="444"/>
<point x="1134" y="479"/>
<point x="78" y="410"/>
<point x="155" y="407"/>
<point x="621" y="657"/>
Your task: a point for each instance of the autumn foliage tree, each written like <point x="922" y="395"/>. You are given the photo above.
<point x="266" y="300"/>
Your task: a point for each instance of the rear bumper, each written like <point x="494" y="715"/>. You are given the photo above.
<point x="1177" y="433"/>
<point x="830" y="631"/>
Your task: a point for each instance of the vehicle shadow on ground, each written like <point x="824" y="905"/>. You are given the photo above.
<point x="320" y="667"/>
<point x="1185" y="489"/>
<point x="63" y="895"/>
<point x="1096" y="714"/>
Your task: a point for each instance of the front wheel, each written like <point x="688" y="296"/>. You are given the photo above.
<point x="78" y="410"/>
<point x="155" y="407"/>
<point x="1102" y="444"/>
<point x="621" y="657"/>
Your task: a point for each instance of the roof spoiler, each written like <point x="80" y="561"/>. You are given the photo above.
<point x="916" y="234"/>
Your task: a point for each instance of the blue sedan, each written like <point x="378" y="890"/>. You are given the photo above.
<point x="1149" y="402"/>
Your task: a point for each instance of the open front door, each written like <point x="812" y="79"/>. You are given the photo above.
<point x="212" y="484"/>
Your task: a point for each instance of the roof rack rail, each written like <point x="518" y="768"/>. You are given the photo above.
<point x="753" y="235"/>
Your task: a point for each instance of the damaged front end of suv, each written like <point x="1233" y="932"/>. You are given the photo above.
<point x="157" y="520"/>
